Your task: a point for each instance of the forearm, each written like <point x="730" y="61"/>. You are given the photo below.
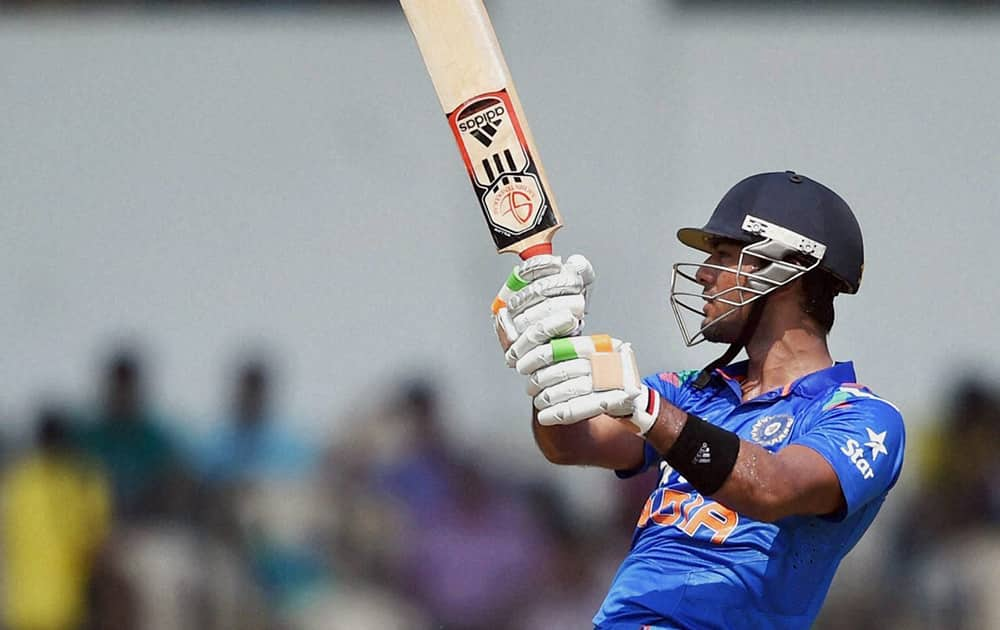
<point x="762" y="485"/>
<point x="553" y="441"/>
<point x="600" y="417"/>
<point x="601" y="441"/>
<point x="759" y="486"/>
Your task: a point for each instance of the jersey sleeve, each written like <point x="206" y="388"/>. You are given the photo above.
<point x="668" y="385"/>
<point x="863" y="438"/>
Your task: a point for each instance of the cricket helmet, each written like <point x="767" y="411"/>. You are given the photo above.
<point x="797" y="204"/>
<point x="789" y="222"/>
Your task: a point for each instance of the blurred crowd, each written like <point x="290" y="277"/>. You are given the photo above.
<point x="932" y="557"/>
<point x="113" y="519"/>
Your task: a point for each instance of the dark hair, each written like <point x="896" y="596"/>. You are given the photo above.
<point x="818" y="289"/>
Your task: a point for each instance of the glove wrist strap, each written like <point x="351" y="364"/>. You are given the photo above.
<point x="647" y="410"/>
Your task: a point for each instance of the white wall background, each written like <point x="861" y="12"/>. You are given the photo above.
<point x="202" y="180"/>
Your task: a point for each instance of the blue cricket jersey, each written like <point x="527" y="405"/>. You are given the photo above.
<point x="695" y="563"/>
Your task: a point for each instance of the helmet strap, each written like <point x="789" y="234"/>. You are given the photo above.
<point x="749" y="328"/>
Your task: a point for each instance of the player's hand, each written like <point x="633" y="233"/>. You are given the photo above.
<point x="577" y="378"/>
<point x="544" y="298"/>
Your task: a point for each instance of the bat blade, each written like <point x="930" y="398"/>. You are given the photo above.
<point x="477" y="94"/>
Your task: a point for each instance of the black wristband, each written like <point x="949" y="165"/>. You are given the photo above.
<point x="704" y="453"/>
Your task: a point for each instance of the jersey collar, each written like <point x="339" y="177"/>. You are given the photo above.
<point x="806" y="386"/>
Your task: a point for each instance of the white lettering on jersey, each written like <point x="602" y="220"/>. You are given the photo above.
<point x="856" y="452"/>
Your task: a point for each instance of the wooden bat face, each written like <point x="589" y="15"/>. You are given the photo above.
<point x="477" y="94"/>
<point x="502" y="169"/>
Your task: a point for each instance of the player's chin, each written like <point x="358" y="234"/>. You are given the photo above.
<point x="719" y="332"/>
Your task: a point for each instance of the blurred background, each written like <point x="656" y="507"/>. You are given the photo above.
<point x="248" y="377"/>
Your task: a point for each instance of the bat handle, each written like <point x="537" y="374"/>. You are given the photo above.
<point x="536" y="250"/>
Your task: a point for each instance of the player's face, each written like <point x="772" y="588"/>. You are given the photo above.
<point x="723" y="284"/>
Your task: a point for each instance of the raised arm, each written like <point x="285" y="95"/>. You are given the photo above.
<point x="763" y="485"/>
<point x="600" y="441"/>
<point x="574" y="380"/>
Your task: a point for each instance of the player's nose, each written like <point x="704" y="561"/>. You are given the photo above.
<point x="705" y="276"/>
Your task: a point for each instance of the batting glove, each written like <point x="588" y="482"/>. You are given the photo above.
<point x="543" y="298"/>
<point x="579" y="378"/>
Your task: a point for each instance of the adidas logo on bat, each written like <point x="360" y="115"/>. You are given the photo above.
<point x="483" y="126"/>
<point x="485" y="133"/>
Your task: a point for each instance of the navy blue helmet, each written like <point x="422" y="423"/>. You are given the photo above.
<point x="798" y="204"/>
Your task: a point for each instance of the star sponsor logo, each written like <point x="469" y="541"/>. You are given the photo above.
<point x="876" y="442"/>
<point x="771" y="430"/>
<point x="855" y="450"/>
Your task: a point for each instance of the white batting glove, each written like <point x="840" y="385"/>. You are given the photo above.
<point x="578" y="378"/>
<point x="543" y="298"/>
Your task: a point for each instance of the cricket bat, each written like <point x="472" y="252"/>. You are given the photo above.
<point x="470" y="76"/>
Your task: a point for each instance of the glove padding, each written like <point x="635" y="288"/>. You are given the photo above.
<point x="543" y="298"/>
<point x="579" y="378"/>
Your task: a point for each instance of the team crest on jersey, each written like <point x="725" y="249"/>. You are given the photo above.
<point x="771" y="430"/>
